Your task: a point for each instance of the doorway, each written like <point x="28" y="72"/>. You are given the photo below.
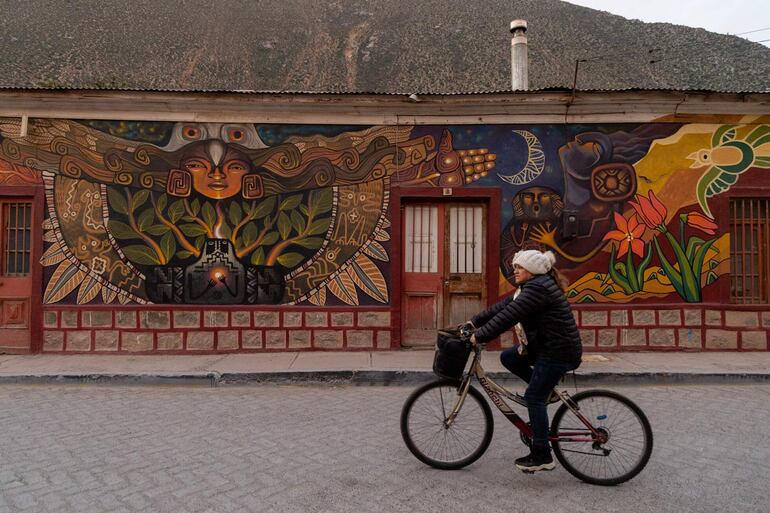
<point x="16" y="240"/>
<point x="444" y="255"/>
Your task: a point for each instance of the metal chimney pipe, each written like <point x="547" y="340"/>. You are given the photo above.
<point x="519" y="60"/>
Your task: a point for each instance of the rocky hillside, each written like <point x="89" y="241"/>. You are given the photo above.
<point x="394" y="46"/>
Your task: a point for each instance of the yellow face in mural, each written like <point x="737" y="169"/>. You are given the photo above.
<point x="217" y="182"/>
<point x="217" y="171"/>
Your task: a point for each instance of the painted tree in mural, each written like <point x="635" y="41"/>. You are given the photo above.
<point x="211" y="214"/>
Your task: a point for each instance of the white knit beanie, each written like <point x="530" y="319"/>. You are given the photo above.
<point x="534" y="261"/>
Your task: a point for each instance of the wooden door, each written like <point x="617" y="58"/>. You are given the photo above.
<point x="464" y="283"/>
<point x="15" y="274"/>
<point x="443" y="268"/>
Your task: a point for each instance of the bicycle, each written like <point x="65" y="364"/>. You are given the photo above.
<point x="598" y="436"/>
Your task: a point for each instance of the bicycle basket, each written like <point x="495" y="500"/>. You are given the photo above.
<point x="452" y="354"/>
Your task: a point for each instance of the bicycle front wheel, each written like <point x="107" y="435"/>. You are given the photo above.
<point x="431" y="440"/>
<point x="619" y="448"/>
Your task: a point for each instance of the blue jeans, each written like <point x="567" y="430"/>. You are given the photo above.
<point x="542" y="374"/>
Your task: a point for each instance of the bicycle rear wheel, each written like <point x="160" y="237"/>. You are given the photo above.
<point x="618" y="451"/>
<point x="433" y="442"/>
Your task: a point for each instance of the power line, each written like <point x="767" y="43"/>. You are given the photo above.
<point x="752" y="31"/>
<point x="761" y="41"/>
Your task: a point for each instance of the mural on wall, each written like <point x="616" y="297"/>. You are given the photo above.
<point x="211" y="214"/>
<point x="150" y="212"/>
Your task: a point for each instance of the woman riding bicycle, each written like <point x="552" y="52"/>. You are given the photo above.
<point x="549" y="341"/>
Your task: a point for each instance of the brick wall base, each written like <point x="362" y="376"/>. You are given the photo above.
<point x="673" y="328"/>
<point x="211" y="330"/>
<point x="196" y="330"/>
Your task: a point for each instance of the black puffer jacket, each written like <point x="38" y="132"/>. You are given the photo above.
<point x="543" y="311"/>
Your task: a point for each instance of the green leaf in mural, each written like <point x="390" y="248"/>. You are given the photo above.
<point x="195" y="206"/>
<point x="236" y="214"/>
<point x="290" y="260"/>
<point x="139" y="199"/>
<point x="209" y="215"/>
<point x="297" y="221"/>
<point x="168" y="245"/>
<point x="162" y="202"/>
<point x="303" y="208"/>
<point x="310" y="242"/>
<point x="192" y="229"/>
<point x="270" y="239"/>
<point x="117" y="201"/>
<point x="320" y="226"/>
<point x="183" y="254"/>
<point x="321" y="200"/>
<point x="258" y="257"/>
<point x="157" y="229"/>
<point x="200" y="241"/>
<point x="145" y="219"/>
<point x="176" y="211"/>
<point x="264" y="208"/>
<point x="291" y="202"/>
<point x="121" y="230"/>
<point x="284" y="225"/>
<point x="140" y="255"/>
<point x="249" y="233"/>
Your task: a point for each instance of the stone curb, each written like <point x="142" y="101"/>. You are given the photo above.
<point x="374" y="377"/>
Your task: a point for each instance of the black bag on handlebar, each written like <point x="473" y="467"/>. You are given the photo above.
<point x="452" y="354"/>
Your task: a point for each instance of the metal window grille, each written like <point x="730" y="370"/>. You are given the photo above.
<point x="465" y="240"/>
<point x="17" y="234"/>
<point x="421" y="223"/>
<point x="750" y="250"/>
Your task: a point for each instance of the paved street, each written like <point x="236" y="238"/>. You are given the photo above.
<point x="338" y="449"/>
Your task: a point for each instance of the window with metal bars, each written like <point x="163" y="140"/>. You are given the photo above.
<point x="750" y="250"/>
<point x="421" y="223"/>
<point x="465" y="240"/>
<point x="17" y="235"/>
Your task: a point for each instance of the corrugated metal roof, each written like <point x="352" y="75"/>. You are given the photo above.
<point x="380" y="93"/>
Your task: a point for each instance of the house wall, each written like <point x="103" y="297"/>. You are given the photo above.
<point x="189" y="237"/>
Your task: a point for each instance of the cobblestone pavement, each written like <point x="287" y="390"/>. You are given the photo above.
<point x="338" y="449"/>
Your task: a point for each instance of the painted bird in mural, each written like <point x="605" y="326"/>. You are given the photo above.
<point x="728" y="158"/>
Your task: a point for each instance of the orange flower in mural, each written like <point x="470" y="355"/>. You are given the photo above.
<point x="628" y="234"/>
<point x="701" y="222"/>
<point x="650" y="210"/>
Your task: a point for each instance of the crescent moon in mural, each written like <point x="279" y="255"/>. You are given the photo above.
<point x="535" y="161"/>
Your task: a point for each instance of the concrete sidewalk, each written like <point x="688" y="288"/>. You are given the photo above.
<point x="376" y="368"/>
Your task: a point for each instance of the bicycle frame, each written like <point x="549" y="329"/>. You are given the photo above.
<point x="496" y="393"/>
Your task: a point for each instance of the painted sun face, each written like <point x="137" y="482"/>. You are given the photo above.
<point x="216" y="181"/>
